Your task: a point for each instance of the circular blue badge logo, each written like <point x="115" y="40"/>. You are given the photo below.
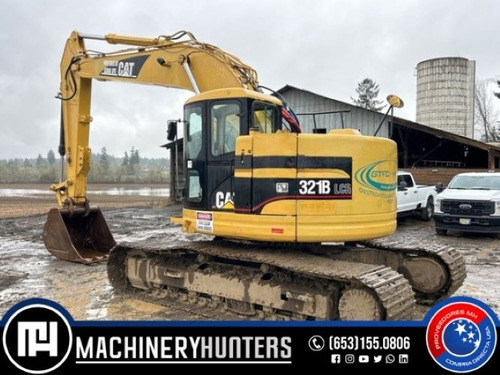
<point x="461" y="335"/>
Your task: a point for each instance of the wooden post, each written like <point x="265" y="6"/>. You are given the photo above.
<point x="491" y="159"/>
<point x="404" y="145"/>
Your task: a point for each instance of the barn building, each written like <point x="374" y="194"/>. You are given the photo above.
<point x="433" y="155"/>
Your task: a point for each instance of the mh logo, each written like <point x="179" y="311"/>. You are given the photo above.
<point x="33" y="335"/>
<point x="37" y="338"/>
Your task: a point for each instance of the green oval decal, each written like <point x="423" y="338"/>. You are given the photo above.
<point x="377" y="176"/>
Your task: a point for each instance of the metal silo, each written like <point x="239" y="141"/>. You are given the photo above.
<point x="445" y="94"/>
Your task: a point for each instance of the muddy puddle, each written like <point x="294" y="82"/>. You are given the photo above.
<point x="27" y="270"/>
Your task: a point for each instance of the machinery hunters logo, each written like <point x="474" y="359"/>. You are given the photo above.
<point x="461" y="335"/>
<point x="37" y="338"/>
<point x="40" y="336"/>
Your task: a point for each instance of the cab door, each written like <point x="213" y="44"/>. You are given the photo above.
<point x="195" y="156"/>
<point x="226" y="122"/>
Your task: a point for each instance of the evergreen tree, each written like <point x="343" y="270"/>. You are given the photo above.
<point x="106" y="169"/>
<point x="39" y="161"/>
<point x="367" y="95"/>
<point x="134" y="161"/>
<point x="497" y="94"/>
<point x="125" y="162"/>
<point x="51" y="157"/>
<point x="137" y="157"/>
<point x="104" y="162"/>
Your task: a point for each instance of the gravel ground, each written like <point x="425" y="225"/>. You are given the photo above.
<point x="28" y="270"/>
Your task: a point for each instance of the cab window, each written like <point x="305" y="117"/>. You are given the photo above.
<point x="265" y="117"/>
<point x="193" y="131"/>
<point x="225" y="127"/>
<point x="406" y="178"/>
<point x="195" y="192"/>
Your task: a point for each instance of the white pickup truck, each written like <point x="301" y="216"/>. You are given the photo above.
<point x="413" y="198"/>
<point x="470" y="203"/>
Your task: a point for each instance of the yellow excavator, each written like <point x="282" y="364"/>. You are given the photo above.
<point x="299" y="220"/>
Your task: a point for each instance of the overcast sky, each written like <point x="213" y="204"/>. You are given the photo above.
<point x="323" y="46"/>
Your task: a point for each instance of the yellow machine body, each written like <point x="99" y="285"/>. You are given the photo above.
<point x="314" y="200"/>
<point x="269" y="182"/>
<point x="270" y="193"/>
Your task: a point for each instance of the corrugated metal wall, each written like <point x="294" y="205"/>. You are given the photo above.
<point x="302" y="101"/>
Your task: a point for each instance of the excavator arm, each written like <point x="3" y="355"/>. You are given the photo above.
<point x="178" y="61"/>
<point x="77" y="232"/>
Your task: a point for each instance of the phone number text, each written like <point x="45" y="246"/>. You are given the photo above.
<point x="369" y="343"/>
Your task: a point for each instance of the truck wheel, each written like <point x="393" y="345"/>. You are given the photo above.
<point x="427" y="212"/>
<point x="441" y="232"/>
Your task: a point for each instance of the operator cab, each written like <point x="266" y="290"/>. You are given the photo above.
<point x="212" y="122"/>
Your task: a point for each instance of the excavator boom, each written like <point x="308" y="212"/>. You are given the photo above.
<point x="164" y="61"/>
<point x="76" y="231"/>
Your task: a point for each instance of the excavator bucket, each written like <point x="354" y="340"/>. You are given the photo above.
<point x="81" y="236"/>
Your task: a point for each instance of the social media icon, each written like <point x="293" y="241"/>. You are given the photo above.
<point x="350" y="358"/>
<point x="364" y="359"/>
<point x="403" y="358"/>
<point x="377" y="358"/>
<point x="335" y="358"/>
<point x="316" y="343"/>
<point x="389" y="358"/>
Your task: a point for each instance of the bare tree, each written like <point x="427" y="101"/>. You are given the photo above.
<point x="485" y="116"/>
